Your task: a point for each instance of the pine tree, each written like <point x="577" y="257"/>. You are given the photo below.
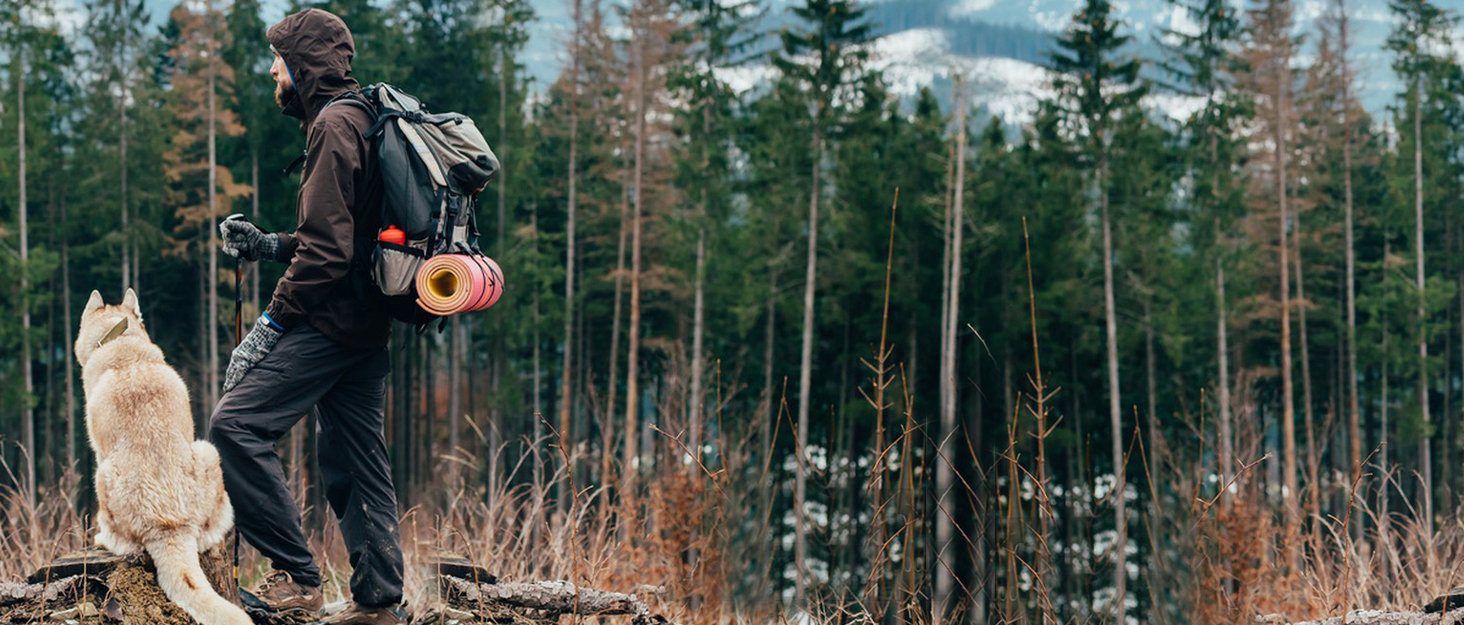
<point x="1095" y="85"/>
<point x="1422" y="29"/>
<point x="1203" y="64"/>
<point x="825" y="59"/>
<point x="1271" y="48"/>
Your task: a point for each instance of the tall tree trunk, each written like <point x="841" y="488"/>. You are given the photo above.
<point x="211" y="251"/>
<point x="1115" y="415"/>
<point x="254" y="215"/>
<point x="127" y="244"/>
<point x="27" y="415"/>
<point x="537" y="390"/>
<point x="607" y="429"/>
<point x="67" y="353"/>
<point x="805" y="383"/>
<point x="632" y="368"/>
<point x="765" y="433"/>
<point x="698" y="324"/>
<point x="1223" y="358"/>
<point x="454" y="390"/>
<point x="1425" y="455"/>
<point x="1353" y="422"/>
<point x="565" y="401"/>
<point x="1312" y="504"/>
<point x="944" y="474"/>
<point x="1383" y="448"/>
<point x="1288" y="412"/>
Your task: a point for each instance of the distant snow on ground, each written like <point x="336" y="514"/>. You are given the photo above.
<point x="744" y="78"/>
<point x="1174" y="106"/>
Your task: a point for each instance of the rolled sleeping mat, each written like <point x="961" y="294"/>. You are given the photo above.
<point x="448" y="284"/>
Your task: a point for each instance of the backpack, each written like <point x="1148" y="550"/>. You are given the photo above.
<point x="432" y="167"/>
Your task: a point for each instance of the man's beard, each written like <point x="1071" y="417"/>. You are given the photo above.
<point x="283" y="94"/>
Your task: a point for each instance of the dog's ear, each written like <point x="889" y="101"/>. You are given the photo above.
<point x="92" y="303"/>
<point x="129" y="301"/>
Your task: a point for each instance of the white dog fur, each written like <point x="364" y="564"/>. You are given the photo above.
<point x="157" y="488"/>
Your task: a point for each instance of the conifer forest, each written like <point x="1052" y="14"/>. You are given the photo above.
<point x="1181" y="340"/>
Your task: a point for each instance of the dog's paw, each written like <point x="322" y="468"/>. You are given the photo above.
<point x="116" y="544"/>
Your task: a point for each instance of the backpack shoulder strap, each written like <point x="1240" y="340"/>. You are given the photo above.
<point x="358" y="100"/>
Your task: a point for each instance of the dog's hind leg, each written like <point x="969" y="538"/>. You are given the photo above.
<point x="219" y="515"/>
<point x="107" y="535"/>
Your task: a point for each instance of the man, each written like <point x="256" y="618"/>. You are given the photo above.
<point x="317" y="345"/>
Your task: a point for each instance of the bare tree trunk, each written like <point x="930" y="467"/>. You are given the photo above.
<point x="67" y="332"/>
<point x="254" y="214"/>
<point x="127" y="244"/>
<point x="1115" y="415"/>
<point x="1353" y="422"/>
<point x="698" y="324"/>
<point x="805" y="384"/>
<point x="1312" y="459"/>
<point x="1288" y="411"/>
<point x="1383" y="450"/>
<point x="454" y="389"/>
<point x="632" y="368"/>
<point x="211" y="392"/>
<point x="944" y="474"/>
<point x="27" y="415"/>
<point x="1223" y="358"/>
<point x="538" y="389"/>
<point x="607" y="431"/>
<point x="1425" y="454"/>
<point x="565" y="432"/>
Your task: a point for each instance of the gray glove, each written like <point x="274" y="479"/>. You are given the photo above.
<point x="245" y="240"/>
<point x="255" y="346"/>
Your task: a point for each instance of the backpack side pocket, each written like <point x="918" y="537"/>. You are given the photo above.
<point x="394" y="267"/>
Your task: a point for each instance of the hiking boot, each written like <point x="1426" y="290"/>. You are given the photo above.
<point x="281" y="593"/>
<point x="357" y="614"/>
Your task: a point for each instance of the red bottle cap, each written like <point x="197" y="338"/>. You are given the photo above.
<point x="393" y="235"/>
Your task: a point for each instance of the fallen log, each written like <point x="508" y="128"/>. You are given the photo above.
<point x="1375" y="617"/>
<point x="530" y="602"/>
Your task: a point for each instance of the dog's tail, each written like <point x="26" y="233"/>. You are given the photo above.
<point x="183" y="581"/>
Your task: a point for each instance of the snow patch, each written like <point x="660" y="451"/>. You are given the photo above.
<point x="743" y="78"/>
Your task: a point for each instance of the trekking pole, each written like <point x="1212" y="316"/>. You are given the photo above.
<point x="238" y="336"/>
<point x="238" y="300"/>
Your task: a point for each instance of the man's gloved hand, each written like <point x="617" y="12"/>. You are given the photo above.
<point x="261" y="338"/>
<point x="245" y="240"/>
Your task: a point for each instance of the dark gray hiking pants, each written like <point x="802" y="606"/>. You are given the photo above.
<point x="348" y="389"/>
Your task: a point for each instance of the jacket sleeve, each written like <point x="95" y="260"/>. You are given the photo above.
<point x="323" y="240"/>
<point x="287" y="247"/>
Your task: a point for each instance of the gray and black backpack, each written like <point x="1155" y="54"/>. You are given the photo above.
<point x="432" y="167"/>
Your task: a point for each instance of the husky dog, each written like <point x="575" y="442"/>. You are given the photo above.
<point x="157" y="489"/>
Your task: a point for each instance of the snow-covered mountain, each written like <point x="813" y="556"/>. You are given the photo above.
<point x="1146" y="20"/>
<point x="999" y="45"/>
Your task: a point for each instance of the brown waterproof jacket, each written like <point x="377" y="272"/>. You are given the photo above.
<point x="339" y="188"/>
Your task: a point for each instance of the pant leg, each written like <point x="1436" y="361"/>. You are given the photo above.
<point x="357" y="475"/>
<point x="247" y="422"/>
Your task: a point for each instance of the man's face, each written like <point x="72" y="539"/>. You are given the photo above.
<point x="284" y="88"/>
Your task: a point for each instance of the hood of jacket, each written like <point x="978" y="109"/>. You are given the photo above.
<point x="317" y="49"/>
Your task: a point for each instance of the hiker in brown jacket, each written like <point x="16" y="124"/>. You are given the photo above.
<point x="320" y="344"/>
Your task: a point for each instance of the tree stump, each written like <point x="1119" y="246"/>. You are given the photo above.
<point x="94" y="587"/>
